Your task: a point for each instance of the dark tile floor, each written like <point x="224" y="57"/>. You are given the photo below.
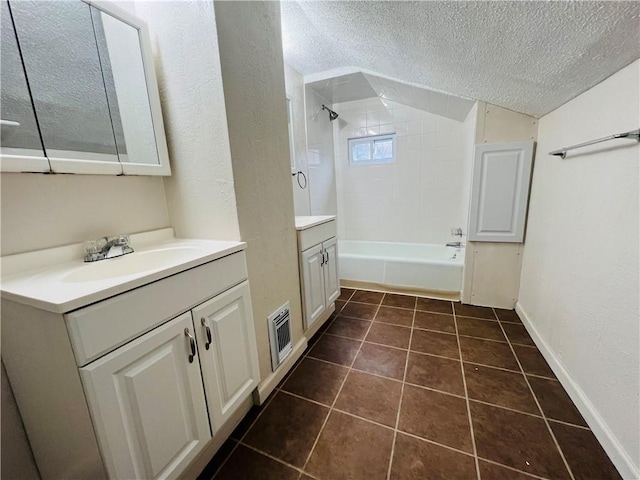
<point x="400" y="387"/>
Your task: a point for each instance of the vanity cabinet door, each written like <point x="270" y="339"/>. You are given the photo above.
<point x="313" y="283"/>
<point x="147" y="403"/>
<point x="20" y="145"/>
<point x="228" y="351"/>
<point x="331" y="281"/>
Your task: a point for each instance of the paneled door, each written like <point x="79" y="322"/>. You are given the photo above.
<point x="228" y="351"/>
<point x="312" y="261"/>
<point x="331" y="280"/>
<point x="147" y="402"/>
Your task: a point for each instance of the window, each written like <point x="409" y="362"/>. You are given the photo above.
<point x="372" y="150"/>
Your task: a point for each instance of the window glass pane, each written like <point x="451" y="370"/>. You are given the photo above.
<point x="383" y="149"/>
<point x="361" y="152"/>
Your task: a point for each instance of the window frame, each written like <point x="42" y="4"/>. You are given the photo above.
<point x="371" y="140"/>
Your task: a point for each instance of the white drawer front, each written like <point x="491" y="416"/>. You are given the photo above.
<point x="316" y="235"/>
<point x="100" y="328"/>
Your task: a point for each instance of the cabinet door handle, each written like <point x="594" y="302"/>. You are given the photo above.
<point x="207" y="330"/>
<point x="327" y="260"/>
<point x="322" y="252"/>
<point x="192" y="344"/>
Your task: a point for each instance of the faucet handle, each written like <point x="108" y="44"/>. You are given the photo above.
<point x="456" y="231"/>
<point x="122" y="240"/>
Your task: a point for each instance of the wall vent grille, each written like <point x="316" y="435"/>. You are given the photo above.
<point x="280" y="335"/>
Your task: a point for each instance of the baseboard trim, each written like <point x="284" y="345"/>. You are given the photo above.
<point x="598" y="426"/>
<point x="269" y="384"/>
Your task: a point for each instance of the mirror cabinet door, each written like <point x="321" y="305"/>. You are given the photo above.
<point x="20" y="144"/>
<point x="60" y="55"/>
<point x="125" y="81"/>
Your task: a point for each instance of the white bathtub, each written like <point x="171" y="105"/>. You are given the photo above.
<point x="409" y="266"/>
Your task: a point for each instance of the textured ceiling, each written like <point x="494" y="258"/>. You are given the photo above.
<point x="359" y="85"/>
<point x="527" y="56"/>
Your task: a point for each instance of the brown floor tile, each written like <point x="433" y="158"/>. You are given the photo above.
<point x="339" y="305"/>
<point x="507" y="315"/>
<point x="473" y="311"/>
<point x="487" y="352"/>
<point x="313" y="340"/>
<point x="583" y="453"/>
<point x="287" y="428"/>
<point x="335" y="349"/>
<point x="555" y="402"/>
<point x="435" y="372"/>
<point x="436" y="416"/>
<point x="491" y="471"/>
<point x="518" y="334"/>
<point x="364" y="311"/>
<point x="533" y="362"/>
<point x="316" y="380"/>
<point x="396" y="316"/>
<point x="517" y="440"/>
<point x="305" y="477"/>
<point x="435" y="321"/>
<point x="371" y="397"/>
<point x="395" y="300"/>
<point x="365" y="296"/>
<point x="349" y="327"/>
<point x="442" y="344"/>
<point x="350" y="448"/>
<point x="506" y="389"/>
<point x="473" y="327"/>
<point x="345" y="293"/>
<point x="245" y="463"/>
<point x="218" y="459"/>
<point x="391" y="335"/>
<point x="433" y="305"/>
<point x="385" y="361"/>
<point x="415" y="459"/>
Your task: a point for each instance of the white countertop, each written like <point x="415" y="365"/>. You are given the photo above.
<point x="304" y="222"/>
<point x="72" y="284"/>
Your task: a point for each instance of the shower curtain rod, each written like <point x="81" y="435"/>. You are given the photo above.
<point x="562" y="152"/>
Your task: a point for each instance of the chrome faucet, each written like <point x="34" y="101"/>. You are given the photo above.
<point x="106" y="247"/>
<point x="455" y="244"/>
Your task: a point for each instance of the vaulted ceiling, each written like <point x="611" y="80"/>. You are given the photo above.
<point x="530" y="57"/>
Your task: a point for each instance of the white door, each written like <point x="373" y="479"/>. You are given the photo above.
<point x="313" y="284"/>
<point x="500" y="191"/>
<point x="331" y="281"/>
<point x="228" y="351"/>
<point x="147" y="403"/>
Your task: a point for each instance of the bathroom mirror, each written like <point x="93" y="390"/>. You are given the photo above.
<point x="20" y="144"/>
<point x="93" y="88"/>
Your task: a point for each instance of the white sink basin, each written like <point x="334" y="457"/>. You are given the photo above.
<point x="131" y="264"/>
<point x="57" y="280"/>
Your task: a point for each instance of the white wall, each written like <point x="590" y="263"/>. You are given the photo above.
<point x="320" y="151"/>
<point x="200" y="191"/>
<point x="294" y="83"/>
<point x="419" y="197"/>
<point x="253" y="77"/>
<point x="579" y="285"/>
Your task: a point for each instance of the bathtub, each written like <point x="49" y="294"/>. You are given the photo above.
<point x="409" y="267"/>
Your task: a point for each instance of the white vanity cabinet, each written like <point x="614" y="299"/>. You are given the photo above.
<point x="137" y="384"/>
<point x="318" y="248"/>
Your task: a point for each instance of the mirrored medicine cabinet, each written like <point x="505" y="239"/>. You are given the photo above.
<point x="78" y="90"/>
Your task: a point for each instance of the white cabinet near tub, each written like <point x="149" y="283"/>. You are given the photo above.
<point x="320" y="283"/>
<point x="133" y="374"/>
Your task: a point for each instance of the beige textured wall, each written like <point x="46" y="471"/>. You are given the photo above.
<point x="492" y="270"/>
<point x="253" y="77"/>
<point x="200" y="192"/>
<point x="581" y="266"/>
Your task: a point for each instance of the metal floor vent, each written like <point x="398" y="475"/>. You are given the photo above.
<point x="280" y="335"/>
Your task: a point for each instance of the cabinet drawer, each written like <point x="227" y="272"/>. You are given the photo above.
<point x="104" y="326"/>
<point x="315" y="235"/>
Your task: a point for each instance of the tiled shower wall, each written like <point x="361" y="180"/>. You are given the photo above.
<point x="419" y="197"/>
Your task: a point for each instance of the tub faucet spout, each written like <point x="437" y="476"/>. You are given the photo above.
<point x="455" y="244"/>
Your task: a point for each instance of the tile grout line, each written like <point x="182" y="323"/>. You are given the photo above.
<point x="344" y="380"/>
<point x="544" y="417"/>
<point x="466" y="395"/>
<point x="532" y="475"/>
<point x="404" y="378"/>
